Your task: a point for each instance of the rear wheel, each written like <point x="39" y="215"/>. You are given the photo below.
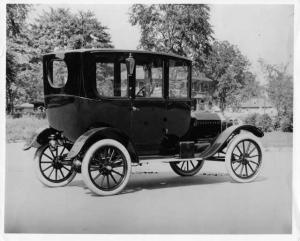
<point x="243" y="158"/>
<point x="51" y="168"/>
<point x="186" y="168"/>
<point x="106" y="167"/>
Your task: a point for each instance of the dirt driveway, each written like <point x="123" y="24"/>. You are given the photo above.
<point x="156" y="200"/>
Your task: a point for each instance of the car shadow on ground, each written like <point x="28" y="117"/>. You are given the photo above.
<point x="144" y="181"/>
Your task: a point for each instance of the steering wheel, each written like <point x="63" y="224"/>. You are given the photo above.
<point x="141" y="92"/>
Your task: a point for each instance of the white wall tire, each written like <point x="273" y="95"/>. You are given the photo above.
<point x="244" y="157"/>
<point x="48" y="172"/>
<point x="106" y="167"/>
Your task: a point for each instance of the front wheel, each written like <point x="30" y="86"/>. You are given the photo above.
<point x="243" y="157"/>
<point x="106" y="167"/>
<point x="51" y="168"/>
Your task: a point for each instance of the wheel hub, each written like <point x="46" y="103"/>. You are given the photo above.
<point x="57" y="164"/>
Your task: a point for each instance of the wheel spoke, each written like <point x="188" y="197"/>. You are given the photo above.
<point x="236" y="155"/>
<point x="236" y="160"/>
<point x="113" y="177"/>
<point x="107" y="178"/>
<point x="102" y="181"/>
<point x="187" y="165"/>
<point x="117" y="164"/>
<point x="254" y="148"/>
<point x="182" y="166"/>
<point x="62" y="151"/>
<point x="253" y="162"/>
<point x="122" y="175"/>
<point x="97" y="176"/>
<point x="244" y="147"/>
<point x="250" y="167"/>
<point x="46" y="162"/>
<point x="237" y="146"/>
<point x="55" y="174"/>
<point x="242" y="170"/>
<point x="51" y="172"/>
<point x="246" y="170"/>
<point x="44" y="154"/>
<point x="66" y="168"/>
<point x="193" y="164"/>
<point x="47" y="168"/>
<point x="62" y="173"/>
<point x="51" y="152"/>
<point x="112" y="154"/>
<point x="248" y="147"/>
<point x="237" y="167"/>
<point x="253" y="156"/>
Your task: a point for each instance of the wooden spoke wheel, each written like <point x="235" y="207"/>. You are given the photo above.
<point x="51" y="167"/>
<point x="244" y="158"/>
<point x="186" y="168"/>
<point x="106" y="167"/>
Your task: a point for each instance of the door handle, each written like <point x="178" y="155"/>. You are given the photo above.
<point x="133" y="108"/>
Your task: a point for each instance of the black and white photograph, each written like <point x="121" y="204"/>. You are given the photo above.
<point x="149" y="118"/>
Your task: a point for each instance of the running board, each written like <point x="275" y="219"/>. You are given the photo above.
<point x="169" y="159"/>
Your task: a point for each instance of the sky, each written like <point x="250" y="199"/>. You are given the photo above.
<point x="259" y="31"/>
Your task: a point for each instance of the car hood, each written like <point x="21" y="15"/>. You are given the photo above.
<point x="205" y="115"/>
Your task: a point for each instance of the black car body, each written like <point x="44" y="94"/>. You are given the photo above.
<point x="140" y="99"/>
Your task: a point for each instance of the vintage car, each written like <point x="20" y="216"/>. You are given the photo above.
<point x="108" y="109"/>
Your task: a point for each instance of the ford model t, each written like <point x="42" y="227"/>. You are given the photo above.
<point x="108" y="109"/>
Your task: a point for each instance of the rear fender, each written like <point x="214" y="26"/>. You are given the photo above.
<point x="39" y="138"/>
<point x="226" y="135"/>
<point x="96" y="134"/>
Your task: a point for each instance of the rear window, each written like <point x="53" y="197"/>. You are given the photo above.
<point x="57" y="73"/>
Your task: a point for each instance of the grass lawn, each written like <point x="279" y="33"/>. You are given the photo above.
<point x="278" y="139"/>
<point x="22" y="128"/>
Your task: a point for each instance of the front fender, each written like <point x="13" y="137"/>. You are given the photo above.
<point x="95" y="134"/>
<point x="224" y="136"/>
<point x="38" y="138"/>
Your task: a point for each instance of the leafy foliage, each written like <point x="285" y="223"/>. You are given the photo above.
<point x="57" y="29"/>
<point x="15" y="26"/>
<point x="181" y="29"/>
<point x="279" y="87"/>
<point x="60" y="29"/>
<point x="265" y="122"/>
<point x="229" y="70"/>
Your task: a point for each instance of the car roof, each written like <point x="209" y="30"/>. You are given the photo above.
<point x="110" y="50"/>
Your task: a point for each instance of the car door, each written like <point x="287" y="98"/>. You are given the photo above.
<point x="148" y="106"/>
<point x="178" y="106"/>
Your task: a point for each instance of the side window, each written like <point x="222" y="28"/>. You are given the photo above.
<point x="178" y="79"/>
<point x="109" y="85"/>
<point x="105" y="79"/>
<point x="58" y="73"/>
<point x="149" y="80"/>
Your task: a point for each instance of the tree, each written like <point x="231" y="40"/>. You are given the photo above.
<point x="61" y="29"/>
<point x="279" y="87"/>
<point x="57" y="29"/>
<point x="15" y="27"/>
<point x="181" y="29"/>
<point x="229" y="70"/>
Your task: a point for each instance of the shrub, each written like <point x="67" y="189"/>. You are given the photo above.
<point x="286" y="124"/>
<point x="276" y="123"/>
<point x="265" y="122"/>
<point x="251" y="119"/>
